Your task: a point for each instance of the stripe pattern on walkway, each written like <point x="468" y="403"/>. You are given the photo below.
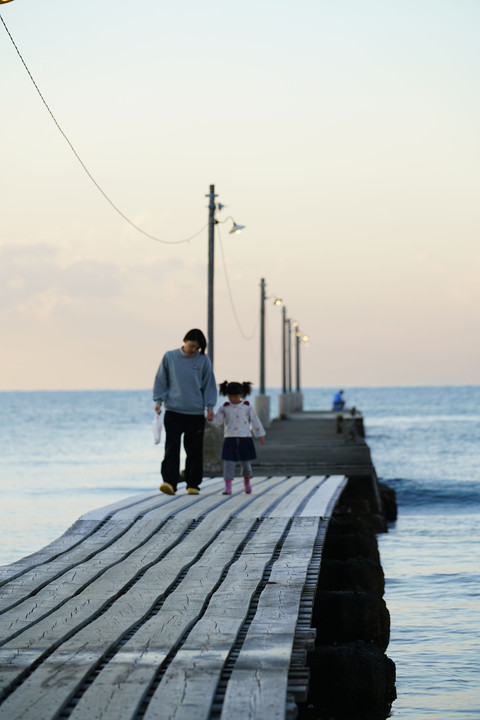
<point x="169" y="608"/>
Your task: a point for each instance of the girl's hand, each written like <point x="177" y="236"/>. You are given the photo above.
<point x="158" y="409"/>
<point x="210" y="415"/>
<point x="262" y="440"/>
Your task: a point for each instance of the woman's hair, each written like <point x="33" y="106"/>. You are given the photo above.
<point x="197" y="336"/>
<point x="235" y="388"/>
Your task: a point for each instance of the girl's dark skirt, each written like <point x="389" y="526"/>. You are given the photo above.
<point x="238" y="448"/>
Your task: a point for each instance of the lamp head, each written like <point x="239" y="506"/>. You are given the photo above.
<point x="236" y="228"/>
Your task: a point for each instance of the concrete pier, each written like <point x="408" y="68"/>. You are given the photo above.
<point x="315" y="442"/>
<point x="213" y="606"/>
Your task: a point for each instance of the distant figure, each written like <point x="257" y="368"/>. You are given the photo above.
<point x="240" y="421"/>
<point x="185" y="383"/>
<point x="338" y="401"/>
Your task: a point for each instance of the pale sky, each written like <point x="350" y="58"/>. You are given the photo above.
<point x="344" y="134"/>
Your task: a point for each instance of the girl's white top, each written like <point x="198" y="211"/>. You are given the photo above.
<point x="239" y="420"/>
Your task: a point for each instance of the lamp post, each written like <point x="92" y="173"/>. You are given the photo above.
<point x="284" y="360"/>
<point x="213" y="436"/>
<point x="284" y="397"/>
<point x="212" y="221"/>
<point x="262" y="401"/>
<point x="298" y="335"/>
<point x="211" y="252"/>
<point x="262" y="336"/>
<point x="289" y="326"/>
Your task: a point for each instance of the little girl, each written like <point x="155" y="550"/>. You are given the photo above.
<point x="240" y="421"/>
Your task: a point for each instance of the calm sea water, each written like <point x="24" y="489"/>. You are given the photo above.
<point x="64" y="453"/>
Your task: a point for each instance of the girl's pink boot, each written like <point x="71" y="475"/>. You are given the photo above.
<point x="247" y="486"/>
<point x="228" y="488"/>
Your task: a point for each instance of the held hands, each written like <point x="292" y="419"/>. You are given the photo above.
<point x="158" y="410"/>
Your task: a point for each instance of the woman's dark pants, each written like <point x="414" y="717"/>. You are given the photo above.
<point x="192" y="428"/>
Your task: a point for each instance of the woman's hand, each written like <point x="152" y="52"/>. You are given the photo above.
<point x="210" y="415"/>
<point x="158" y="408"/>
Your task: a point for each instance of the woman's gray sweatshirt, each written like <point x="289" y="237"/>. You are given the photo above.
<point x="185" y="383"/>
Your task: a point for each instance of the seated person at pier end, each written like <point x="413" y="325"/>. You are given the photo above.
<point x="338" y="401"/>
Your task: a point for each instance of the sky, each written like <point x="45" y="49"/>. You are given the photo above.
<point x="342" y="134"/>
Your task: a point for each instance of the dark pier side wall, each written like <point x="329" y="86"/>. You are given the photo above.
<point x="351" y="677"/>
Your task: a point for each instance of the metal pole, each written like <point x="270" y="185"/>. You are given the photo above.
<point x="284" y="370"/>
<point x="211" y="232"/>
<point x="289" y="355"/>
<point x="262" y="336"/>
<point x="297" y="336"/>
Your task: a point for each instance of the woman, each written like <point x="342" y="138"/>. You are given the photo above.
<point x="186" y="385"/>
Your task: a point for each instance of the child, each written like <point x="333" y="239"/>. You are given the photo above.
<point x="240" y="422"/>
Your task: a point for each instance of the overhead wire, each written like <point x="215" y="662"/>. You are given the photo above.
<point x="99" y="188"/>
<point x="230" y="295"/>
<point x="275" y="355"/>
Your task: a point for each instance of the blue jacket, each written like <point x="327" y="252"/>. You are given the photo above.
<point x="185" y="383"/>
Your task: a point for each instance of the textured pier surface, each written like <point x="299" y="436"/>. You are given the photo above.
<point x="183" y="607"/>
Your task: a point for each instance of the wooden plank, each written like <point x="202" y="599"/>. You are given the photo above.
<point x="302" y="487"/>
<point x="323" y="502"/>
<point x="78" y="637"/>
<point x="172" y="503"/>
<point x="188" y="687"/>
<point x="86" y="547"/>
<point x="73" y="579"/>
<point x="54" y="682"/>
<point x="133" y="669"/>
<point x="81" y="609"/>
<point x="257" y="688"/>
<point x="119" y="536"/>
<point x="277" y="487"/>
<point x="43" y="590"/>
<point x="64" y="543"/>
<point x="125" y="510"/>
<point x="81" y="530"/>
<point x="106" y="511"/>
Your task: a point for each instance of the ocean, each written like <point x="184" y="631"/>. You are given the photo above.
<point x="65" y="453"/>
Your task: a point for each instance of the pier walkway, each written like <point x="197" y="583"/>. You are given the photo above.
<point x="184" y="607"/>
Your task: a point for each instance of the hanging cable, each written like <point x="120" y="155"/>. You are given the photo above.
<point x="275" y="355"/>
<point x="247" y="337"/>
<point x="117" y="209"/>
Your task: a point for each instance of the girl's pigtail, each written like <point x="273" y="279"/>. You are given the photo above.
<point x="223" y="388"/>
<point x="247" y="388"/>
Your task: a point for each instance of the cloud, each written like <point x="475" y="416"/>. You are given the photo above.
<point x="37" y="272"/>
<point x="41" y="283"/>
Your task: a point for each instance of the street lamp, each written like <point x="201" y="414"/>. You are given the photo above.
<point x="284" y="346"/>
<point x="261" y="401"/>
<point x="262" y="336"/>
<point x="289" y="325"/>
<point x="277" y="301"/>
<point x="299" y="337"/>
<point x="212" y="221"/>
